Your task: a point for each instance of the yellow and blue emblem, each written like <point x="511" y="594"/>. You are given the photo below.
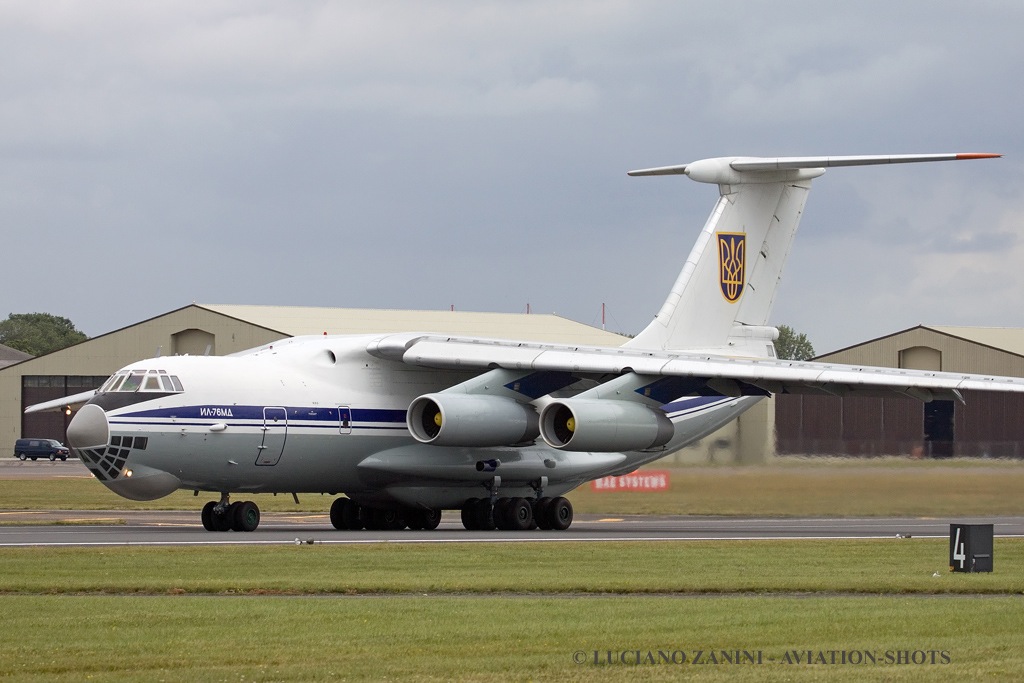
<point x="732" y="264"/>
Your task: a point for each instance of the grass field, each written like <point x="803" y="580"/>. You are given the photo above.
<point x="492" y="612"/>
<point x="859" y="610"/>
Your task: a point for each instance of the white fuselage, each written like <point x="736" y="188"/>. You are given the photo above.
<point x="322" y="415"/>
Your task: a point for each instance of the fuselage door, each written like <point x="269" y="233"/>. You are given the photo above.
<point x="275" y="433"/>
<point x="344" y="420"/>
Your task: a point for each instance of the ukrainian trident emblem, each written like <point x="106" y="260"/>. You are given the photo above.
<point x="732" y="259"/>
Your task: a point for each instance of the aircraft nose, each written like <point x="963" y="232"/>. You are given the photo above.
<point x="89" y="428"/>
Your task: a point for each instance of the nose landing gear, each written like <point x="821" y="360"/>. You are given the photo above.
<point x="226" y="516"/>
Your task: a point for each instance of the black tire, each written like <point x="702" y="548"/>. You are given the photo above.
<point x="469" y="514"/>
<point x="518" y="514"/>
<point x="33" y="458"/>
<point x="222" y="521"/>
<point x="501" y="519"/>
<point x="389" y="519"/>
<point x="560" y="513"/>
<point x="369" y="518"/>
<point x="484" y="515"/>
<point x="415" y="520"/>
<point x="540" y="513"/>
<point x="338" y="508"/>
<point x="63" y="458"/>
<point x="53" y="456"/>
<point x="247" y="517"/>
<point x="207" y="516"/>
<point x="232" y="515"/>
<point x="431" y="519"/>
<point x="351" y="517"/>
<point x="21" y="456"/>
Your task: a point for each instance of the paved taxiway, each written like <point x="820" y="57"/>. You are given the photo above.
<point x="88" y="528"/>
<point x="76" y="528"/>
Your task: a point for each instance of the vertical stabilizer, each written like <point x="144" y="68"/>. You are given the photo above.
<point x="724" y="294"/>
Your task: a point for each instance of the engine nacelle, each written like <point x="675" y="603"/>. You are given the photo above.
<point x="603" y="426"/>
<point x="471" y="420"/>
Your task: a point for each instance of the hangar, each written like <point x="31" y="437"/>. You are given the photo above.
<point x="985" y="424"/>
<point x="223" y="329"/>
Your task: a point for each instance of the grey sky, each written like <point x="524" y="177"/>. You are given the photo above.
<point x="425" y="154"/>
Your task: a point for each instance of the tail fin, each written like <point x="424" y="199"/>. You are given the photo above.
<point x="725" y="291"/>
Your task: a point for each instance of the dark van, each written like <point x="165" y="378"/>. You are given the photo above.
<point x="40" y="448"/>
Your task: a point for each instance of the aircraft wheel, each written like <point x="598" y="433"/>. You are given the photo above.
<point x="207" y="516"/>
<point x="221" y="520"/>
<point x="414" y="519"/>
<point x="350" y="516"/>
<point x="484" y="515"/>
<point x="560" y="513"/>
<point x="338" y="508"/>
<point x="247" y="517"/>
<point x="431" y="519"/>
<point x="369" y="519"/>
<point x="518" y="514"/>
<point x="232" y="515"/>
<point x="469" y="514"/>
<point x="389" y="519"/>
<point x="540" y="513"/>
<point x="501" y="518"/>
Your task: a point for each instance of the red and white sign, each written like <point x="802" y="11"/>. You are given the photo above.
<point x="641" y="480"/>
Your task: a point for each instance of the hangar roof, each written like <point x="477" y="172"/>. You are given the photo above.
<point x="1006" y="339"/>
<point x="300" y="320"/>
<point x="1010" y="339"/>
<point x="9" y="356"/>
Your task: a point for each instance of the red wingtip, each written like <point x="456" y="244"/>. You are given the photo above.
<point x="978" y="156"/>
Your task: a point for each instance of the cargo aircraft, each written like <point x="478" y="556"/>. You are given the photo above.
<point x="408" y="425"/>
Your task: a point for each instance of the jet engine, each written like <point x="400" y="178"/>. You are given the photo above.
<point x="603" y="426"/>
<point x="471" y="420"/>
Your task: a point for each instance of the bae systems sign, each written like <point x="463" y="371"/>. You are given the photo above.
<point x="645" y="480"/>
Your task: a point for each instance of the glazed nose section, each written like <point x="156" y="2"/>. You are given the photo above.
<point x="89" y="428"/>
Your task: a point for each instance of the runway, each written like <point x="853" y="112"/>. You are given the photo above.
<point x="67" y="528"/>
<point x="77" y="528"/>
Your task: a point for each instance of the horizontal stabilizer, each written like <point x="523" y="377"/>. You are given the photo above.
<point x="63" y="403"/>
<point x="747" y="164"/>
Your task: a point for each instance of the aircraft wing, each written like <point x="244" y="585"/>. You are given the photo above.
<point x="687" y="373"/>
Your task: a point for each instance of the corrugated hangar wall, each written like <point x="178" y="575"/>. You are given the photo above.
<point x="987" y="424"/>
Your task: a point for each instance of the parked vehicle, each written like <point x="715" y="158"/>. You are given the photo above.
<point x="40" y="448"/>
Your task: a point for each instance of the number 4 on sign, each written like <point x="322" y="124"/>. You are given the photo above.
<point x="958" y="549"/>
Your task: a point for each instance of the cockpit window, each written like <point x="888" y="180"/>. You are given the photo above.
<point x="143" y="381"/>
<point x="112" y="384"/>
<point x="133" y="382"/>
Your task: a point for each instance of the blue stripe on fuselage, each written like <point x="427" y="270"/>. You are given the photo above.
<point x="255" y="413"/>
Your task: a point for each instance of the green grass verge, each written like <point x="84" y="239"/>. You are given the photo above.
<point x="495" y="612"/>
<point x="889" y="566"/>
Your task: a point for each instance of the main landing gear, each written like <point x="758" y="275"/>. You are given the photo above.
<point x="347" y="514"/>
<point x="517" y="514"/>
<point x="226" y="516"/>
